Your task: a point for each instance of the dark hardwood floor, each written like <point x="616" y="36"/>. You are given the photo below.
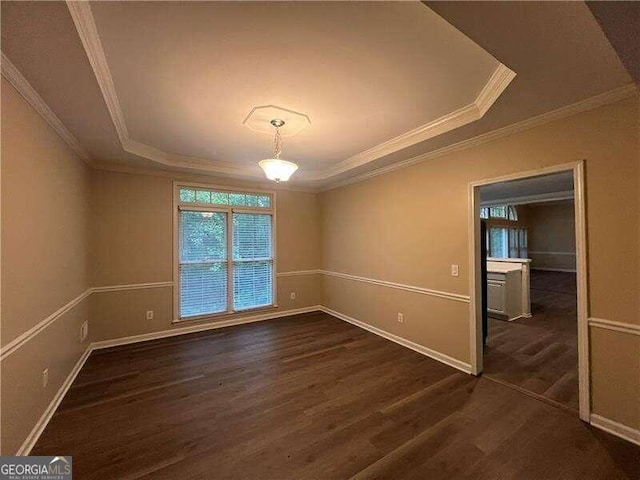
<point x="312" y="397"/>
<point x="540" y="354"/>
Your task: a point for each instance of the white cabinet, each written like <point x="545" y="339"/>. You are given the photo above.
<point x="505" y="285"/>
<point x="495" y="295"/>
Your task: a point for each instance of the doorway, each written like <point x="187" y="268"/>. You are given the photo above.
<point x="529" y="297"/>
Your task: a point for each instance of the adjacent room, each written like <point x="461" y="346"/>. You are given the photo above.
<point x="531" y="325"/>
<point x="320" y="240"/>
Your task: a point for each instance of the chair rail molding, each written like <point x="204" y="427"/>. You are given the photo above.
<point x="23" y="338"/>
<point x="20" y="340"/>
<point x="399" y="286"/>
<point x="623" y="327"/>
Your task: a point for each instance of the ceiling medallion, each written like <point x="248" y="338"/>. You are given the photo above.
<point x="275" y="168"/>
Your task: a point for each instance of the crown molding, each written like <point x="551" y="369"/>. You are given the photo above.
<point x="590" y="103"/>
<point x="24" y="88"/>
<point x="182" y="175"/>
<point x="88" y="32"/>
<point x="318" y="180"/>
<point x="539" y="198"/>
<point x="496" y="84"/>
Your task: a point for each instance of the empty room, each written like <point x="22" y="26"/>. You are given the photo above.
<point x="320" y="240"/>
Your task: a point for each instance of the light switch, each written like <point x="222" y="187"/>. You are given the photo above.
<point x="454" y="270"/>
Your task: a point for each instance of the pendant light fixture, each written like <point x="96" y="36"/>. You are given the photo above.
<point x="275" y="168"/>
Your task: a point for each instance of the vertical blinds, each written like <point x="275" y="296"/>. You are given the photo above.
<point x="211" y="277"/>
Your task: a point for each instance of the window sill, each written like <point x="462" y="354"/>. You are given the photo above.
<point x="224" y="315"/>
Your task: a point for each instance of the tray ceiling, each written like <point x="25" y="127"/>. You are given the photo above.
<point x="169" y="84"/>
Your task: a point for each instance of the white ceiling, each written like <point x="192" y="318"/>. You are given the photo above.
<point x="166" y="85"/>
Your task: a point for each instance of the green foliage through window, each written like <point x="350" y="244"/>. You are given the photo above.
<point x="216" y="197"/>
<point x="215" y="269"/>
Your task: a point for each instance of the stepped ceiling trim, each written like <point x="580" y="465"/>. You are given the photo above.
<point x="15" y="78"/>
<point x="88" y="32"/>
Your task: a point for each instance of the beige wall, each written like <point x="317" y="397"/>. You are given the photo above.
<point x="132" y="223"/>
<point x="408" y="226"/>
<point x="45" y="211"/>
<point x="552" y="236"/>
<point x="615" y="376"/>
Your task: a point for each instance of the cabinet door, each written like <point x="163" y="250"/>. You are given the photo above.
<point x="495" y="296"/>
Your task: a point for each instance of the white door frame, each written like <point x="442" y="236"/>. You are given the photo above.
<point x="475" y="284"/>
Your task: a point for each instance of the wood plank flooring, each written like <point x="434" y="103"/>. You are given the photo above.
<point x="312" y="397"/>
<point x="540" y="354"/>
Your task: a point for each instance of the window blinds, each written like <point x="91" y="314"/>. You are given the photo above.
<point x="215" y="280"/>
<point x="203" y="263"/>
<point x="252" y="260"/>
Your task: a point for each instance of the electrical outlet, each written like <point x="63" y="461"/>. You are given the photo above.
<point x="293" y="295"/>
<point x="149" y="314"/>
<point x="454" y="270"/>
<point x="45" y="377"/>
<point x="400" y="317"/>
<point x="84" y="330"/>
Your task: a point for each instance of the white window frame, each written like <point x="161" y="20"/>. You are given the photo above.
<point x="229" y="210"/>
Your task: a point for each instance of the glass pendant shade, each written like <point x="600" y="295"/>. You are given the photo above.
<point x="278" y="170"/>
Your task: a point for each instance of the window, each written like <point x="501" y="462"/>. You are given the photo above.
<point x="505" y="242"/>
<point x="252" y="261"/>
<point x="505" y="212"/>
<point x="225" y="246"/>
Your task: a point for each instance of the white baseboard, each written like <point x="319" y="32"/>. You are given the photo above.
<point x="202" y="327"/>
<point x="618" y="429"/>
<point x="610" y="426"/>
<point x="44" y="419"/>
<point x="37" y="430"/>
<point x="441" y="357"/>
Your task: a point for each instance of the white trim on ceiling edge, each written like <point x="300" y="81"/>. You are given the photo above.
<point x="603" y="423"/>
<point x="24" y="88"/>
<point x="497" y="83"/>
<point x="539" y="198"/>
<point x="85" y="24"/>
<point x="10" y="72"/>
<point x="590" y="103"/>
